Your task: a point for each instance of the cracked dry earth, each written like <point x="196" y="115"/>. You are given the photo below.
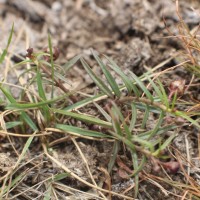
<point x="132" y="32"/>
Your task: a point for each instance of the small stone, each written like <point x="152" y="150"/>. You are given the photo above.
<point x="56" y="6"/>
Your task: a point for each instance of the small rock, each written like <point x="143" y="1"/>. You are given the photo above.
<point x="56" y="6"/>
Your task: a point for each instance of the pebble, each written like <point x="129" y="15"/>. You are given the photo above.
<point x="56" y="6"/>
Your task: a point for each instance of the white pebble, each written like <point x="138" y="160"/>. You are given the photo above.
<point x="56" y="6"/>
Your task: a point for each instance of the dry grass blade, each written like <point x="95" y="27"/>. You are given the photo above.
<point x="78" y="178"/>
<point x="87" y="166"/>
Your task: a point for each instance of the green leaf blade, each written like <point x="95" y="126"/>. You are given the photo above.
<point x="97" y="80"/>
<point x="81" y="132"/>
<point x="108" y="76"/>
<point x="3" y="55"/>
<point x="84" y="117"/>
<point x="129" y="85"/>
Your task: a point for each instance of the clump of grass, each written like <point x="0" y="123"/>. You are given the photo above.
<point x="190" y="42"/>
<point x="118" y="118"/>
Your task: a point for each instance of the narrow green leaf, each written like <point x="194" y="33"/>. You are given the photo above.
<point x="2" y="56"/>
<point x="155" y="87"/>
<point x="127" y="131"/>
<point x="71" y="62"/>
<point x="60" y="176"/>
<point x="42" y="95"/>
<point x="24" y="116"/>
<point x="108" y="76"/>
<point x="29" y="121"/>
<point x="20" y="158"/>
<point x="142" y="106"/>
<point x="40" y="86"/>
<point x="116" y="121"/>
<point x="84" y="117"/>
<point x="136" y="178"/>
<point x="156" y="128"/>
<point x="61" y="77"/>
<point x="47" y="194"/>
<point x="14" y="182"/>
<point x="7" y="94"/>
<point x="164" y="145"/>
<point x="117" y="111"/>
<point x="22" y="63"/>
<point x="115" y="150"/>
<point x="26" y="147"/>
<point x="81" y="132"/>
<point x="12" y="124"/>
<point x="103" y="112"/>
<point x="129" y="143"/>
<point x="26" y="71"/>
<point x="133" y="117"/>
<point x="146" y="116"/>
<point x="140" y="167"/>
<point x="164" y="94"/>
<point x="10" y="36"/>
<point x="83" y="102"/>
<point x="15" y="105"/>
<point x="129" y="85"/>
<point x="185" y="116"/>
<point x="97" y="80"/>
<point x="160" y="131"/>
<point x="40" y="54"/>
<point x="143" y="142"/>
<point x="174" y="100"/>
<point x="52" y="62"/>
<point x="142" y="86"/>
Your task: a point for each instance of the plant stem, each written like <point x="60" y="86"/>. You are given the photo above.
<point x="59" y="84"/>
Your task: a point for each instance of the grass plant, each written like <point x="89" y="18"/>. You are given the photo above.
<point x="123" y="117"/>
